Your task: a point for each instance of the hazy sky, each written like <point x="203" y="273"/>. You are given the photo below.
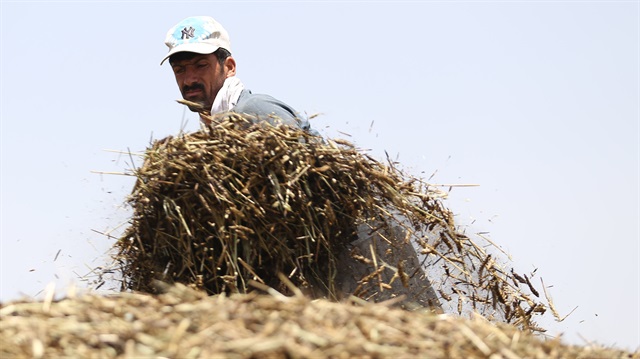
<point x="535" y="101"/>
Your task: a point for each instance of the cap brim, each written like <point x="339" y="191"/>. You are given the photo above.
<point x="198" y="48"/>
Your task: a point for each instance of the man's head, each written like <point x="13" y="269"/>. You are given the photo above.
<point x="200" y="56"/>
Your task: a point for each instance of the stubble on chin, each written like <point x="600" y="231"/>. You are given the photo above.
<point x="194" y="106"/>
<point x="197" y="107"/>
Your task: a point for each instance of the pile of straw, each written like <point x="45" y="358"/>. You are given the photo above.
<point x="235" y="210"/>
<point x="238" y="202"/>
<point x="183" y="323"/>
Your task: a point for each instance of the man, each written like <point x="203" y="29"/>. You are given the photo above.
<point x="200" y="56"/>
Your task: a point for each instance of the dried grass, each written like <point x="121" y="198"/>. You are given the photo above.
<point x="237" y="202"/>
<point x="183" y="323"/>
<point x="237" y="210"/>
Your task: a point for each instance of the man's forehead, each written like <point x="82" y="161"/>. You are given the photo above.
<point x="183" y="58"/>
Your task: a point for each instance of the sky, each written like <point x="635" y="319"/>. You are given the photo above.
<point x="537" y="102"/>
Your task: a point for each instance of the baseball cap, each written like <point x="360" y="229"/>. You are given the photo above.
<point x="199" y="34"/>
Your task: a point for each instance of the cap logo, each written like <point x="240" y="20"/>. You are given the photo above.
<point x="187" y="33"/>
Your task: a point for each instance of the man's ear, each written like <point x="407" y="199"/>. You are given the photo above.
<point x="230" y="66"/>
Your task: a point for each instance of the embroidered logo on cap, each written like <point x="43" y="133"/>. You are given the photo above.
<point x="188" y="33"/>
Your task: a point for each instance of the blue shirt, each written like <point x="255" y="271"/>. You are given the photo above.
<point x="265" y="107"/>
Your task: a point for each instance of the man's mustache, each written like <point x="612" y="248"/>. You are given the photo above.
<point x="196" y="86"/>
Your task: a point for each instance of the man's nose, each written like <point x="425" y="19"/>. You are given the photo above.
<point x="190" y="78"/>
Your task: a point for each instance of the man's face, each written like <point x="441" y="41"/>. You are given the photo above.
<point x="200" y="77"/>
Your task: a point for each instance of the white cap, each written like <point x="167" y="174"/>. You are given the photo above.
<point x="199" y="34"/>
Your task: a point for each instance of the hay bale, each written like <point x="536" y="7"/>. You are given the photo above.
<point x="232" y="204"/>
<point x="238" y="203"/>
<point x="183" y="323"/>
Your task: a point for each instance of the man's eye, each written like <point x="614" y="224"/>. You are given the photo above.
<point x="178" y="70"/>
<point x="202" y="65"/>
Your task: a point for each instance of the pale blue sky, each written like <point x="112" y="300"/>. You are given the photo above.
<point x="535" y="101"/>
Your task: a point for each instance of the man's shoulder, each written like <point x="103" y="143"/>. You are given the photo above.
<point x="268" y="108"/>
<point x="262" y="105"/>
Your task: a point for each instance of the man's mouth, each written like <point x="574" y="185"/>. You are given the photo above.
<point x="195" y="91"/>
<point x="192" y="93"/>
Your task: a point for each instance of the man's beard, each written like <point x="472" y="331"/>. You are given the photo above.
<point x="199" y="108"/>
<point x="200" y="105"/>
